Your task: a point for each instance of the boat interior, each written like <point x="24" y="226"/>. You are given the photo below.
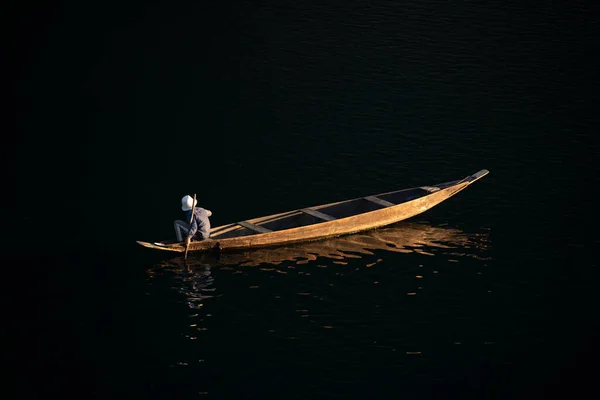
<point x="323" y="213"/>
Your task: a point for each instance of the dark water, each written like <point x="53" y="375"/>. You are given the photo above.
<point x="262" y="107"/>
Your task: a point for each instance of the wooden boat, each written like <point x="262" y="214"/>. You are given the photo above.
<point x="328" y="220"/>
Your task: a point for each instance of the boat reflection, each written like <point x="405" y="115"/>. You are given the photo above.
<point x="192" y="280"/>
<point x="413" y="237"/>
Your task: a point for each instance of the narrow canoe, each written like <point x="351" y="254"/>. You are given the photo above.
<point x="328" y="220"/>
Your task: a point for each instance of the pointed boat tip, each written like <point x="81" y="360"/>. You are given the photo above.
<point x="478" y="175"/>
<point x="144" y="244"/>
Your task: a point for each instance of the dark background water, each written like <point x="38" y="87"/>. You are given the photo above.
<point x="261" y="107"/>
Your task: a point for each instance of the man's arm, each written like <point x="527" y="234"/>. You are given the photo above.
<point x="193" y="229"/>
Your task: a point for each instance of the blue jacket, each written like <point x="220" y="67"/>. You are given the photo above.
<point x="200" y="224"/>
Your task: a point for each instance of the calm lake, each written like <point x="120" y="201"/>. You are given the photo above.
<point x="264" y="107"/>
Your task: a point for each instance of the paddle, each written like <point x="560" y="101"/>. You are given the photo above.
<point x="187" y="244"/>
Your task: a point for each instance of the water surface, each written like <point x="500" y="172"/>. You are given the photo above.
<point x="264" y="107"/>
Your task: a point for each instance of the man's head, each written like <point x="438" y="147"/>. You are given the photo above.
<point x="186" y="203"/>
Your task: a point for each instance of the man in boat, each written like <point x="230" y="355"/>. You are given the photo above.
<point x="200" y="227"/>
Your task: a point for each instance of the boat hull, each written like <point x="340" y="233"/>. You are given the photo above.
<point x="336" y="227"/>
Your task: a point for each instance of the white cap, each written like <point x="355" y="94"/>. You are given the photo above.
<point x="186" y="203"/>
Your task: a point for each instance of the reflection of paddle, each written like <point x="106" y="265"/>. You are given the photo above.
<point x="187" y="244"/>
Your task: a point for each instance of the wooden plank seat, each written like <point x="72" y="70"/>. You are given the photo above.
<point x="318" y="214"/>
<point x="252" y="227"/>
<point x="379" y="201"/>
